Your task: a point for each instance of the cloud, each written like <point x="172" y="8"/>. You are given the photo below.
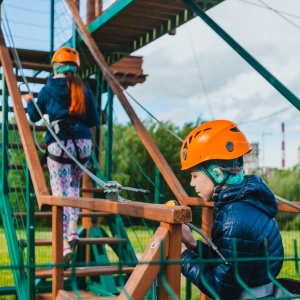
<point x="179" y="65"/>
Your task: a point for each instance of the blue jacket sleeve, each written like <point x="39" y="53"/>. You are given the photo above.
<point x="31" y="109"/>
<point x="220" y="277"/>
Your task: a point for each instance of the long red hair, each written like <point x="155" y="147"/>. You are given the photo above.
<point x="76" y="87"/>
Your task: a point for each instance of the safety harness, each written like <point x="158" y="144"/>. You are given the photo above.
<point x="61" y="159"/>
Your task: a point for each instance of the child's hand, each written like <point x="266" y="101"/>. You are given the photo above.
<point x="27" y="97"/>
<point x="187" y="237"/>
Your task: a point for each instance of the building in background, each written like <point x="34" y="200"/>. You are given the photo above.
<point x="251" y="160"/>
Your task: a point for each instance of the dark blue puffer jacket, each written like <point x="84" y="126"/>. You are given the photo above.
<point x="54" y="99"/>
<point x="246" y="213"/>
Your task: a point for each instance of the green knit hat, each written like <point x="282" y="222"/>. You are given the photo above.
<point x="64" y="67"/>
<point x="214" y="168"/>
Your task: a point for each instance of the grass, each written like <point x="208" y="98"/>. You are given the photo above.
<point x="140" y="239"/>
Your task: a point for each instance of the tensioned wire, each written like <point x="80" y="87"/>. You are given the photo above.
<point x="15" y="202"/>
<point x="129" y="218"/>
<point x="130" y="152"/>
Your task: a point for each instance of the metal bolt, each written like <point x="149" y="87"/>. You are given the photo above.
<point x="153" y="245"/>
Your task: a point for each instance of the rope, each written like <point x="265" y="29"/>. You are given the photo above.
<point x="19" y="66"/>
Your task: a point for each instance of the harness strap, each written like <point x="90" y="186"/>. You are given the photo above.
<point x="61" y="159"/>
<point x="65" y="160"/>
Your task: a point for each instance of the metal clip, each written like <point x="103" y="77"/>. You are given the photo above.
<point x="112" y="188"/>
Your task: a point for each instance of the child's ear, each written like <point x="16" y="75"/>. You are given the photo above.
<point x="219" y="174"/>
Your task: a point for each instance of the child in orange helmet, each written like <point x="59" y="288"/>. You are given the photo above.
<point x="245" y="214"/>
<point x="72" y="112"/>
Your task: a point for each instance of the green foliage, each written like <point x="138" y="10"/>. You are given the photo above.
<point x="286" y="184"/>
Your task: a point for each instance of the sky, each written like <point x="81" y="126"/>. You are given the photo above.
<point x="197" y="74"/>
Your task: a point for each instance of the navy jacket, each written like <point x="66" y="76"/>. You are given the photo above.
<point x="245" y="213"/>
<point x="54" y="99"/>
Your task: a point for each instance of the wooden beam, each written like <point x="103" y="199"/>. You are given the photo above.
<point x="154" y="212"/>
<point x="145" y="137"/>
<point x="146" y="271"/>
<point x="57" y="251"/>
<point x="32" y="158"/>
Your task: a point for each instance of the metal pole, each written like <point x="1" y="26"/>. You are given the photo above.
<point x="251" y="60"/>
<point x="4" y="128"/>
<point x="99" y="80"/>
<point x="52" y="11"/>
<point x="109" y="133"/>
<point x="159" y="187"/>
<point x="30" y="224"/>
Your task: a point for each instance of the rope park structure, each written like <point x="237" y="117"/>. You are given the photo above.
<point x="106" y="263"/>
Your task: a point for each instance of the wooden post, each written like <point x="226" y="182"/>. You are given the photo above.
<point x="172" y="271"/>
<point x="90" y="11"/>
<point x="57" y="250"/>
<point x="207" y="221"/>
<point x="145" y="272"/>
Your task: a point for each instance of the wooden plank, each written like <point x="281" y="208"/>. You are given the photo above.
<point x="172" y="272"/>
<point x="145" y="137"/>
<point x="146" y="271"/>
<point x="57" y="251"/>
<point x="207" y="221"/>
<point x="67" y="295"/>
<point x="32" y="158"/>
<point x="195" y="201"/>
<point x="84" y="271"/>
<point x="155" y="212"/>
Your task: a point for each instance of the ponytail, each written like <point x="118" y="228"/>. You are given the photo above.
<point x="76" y="87"/>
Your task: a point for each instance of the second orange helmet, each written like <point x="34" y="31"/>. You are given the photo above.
<point x="215" y="140"/>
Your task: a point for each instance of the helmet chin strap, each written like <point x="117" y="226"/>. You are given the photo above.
<point x="218" y="186"/>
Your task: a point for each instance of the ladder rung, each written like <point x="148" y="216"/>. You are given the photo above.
<point x="86" y="271"/>
<point x="81" y="241"/>
<point x="67" y="295"/>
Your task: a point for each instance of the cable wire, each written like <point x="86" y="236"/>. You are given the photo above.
<point x="200" y="74"/>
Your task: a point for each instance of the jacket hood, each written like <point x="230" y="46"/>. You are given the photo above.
<point x="254" y="191"/>
<point x="57" y="86"/>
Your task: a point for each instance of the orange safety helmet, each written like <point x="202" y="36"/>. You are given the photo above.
<point x="66" y="54"/>
<point x="215" y="140"/>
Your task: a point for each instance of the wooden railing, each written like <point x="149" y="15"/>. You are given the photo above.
<point x="169" y="232"/>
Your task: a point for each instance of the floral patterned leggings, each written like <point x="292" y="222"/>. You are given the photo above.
<point x="65" y="178"/>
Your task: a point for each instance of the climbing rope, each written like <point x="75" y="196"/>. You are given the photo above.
<point x="112" y="187"/>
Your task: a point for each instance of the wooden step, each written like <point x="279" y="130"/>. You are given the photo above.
<point x="82" y="241"/>
<point x="63" y="295"/>
<point x="66" y="295"/>
<point x="86" y="271"/>
<point x="37" y="128"/>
